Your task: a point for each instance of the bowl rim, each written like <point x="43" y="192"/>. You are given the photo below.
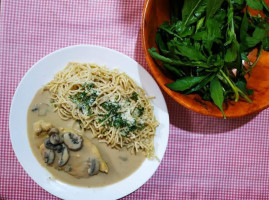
<point x="155" y="71"/>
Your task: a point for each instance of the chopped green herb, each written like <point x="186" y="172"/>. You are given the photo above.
<point x="117" y="121"/>
<point x="114" y="118"/>
<point x="132" y="128"/>
<point x="84" y="100"/>
<point x="90" y="86"/>
<point x="109" y="106"/>
<point x="124" y="133"/>
<point x="138" y="112"/>
<point x="79" y="123"/>
<point x="112" y="109"/>
<point x="134" y="96"/>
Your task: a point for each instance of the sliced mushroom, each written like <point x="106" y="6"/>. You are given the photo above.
<point x="64" y="156"/>
<point x="49" y="145"/>
<point x="53" y="131"/>
<point x="73" y="141"/>
<point x="94" y="167"/>
<point x="55" y="139"/>
<point x="48" y="155"/>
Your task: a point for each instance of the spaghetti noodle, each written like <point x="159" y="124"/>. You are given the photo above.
<point x="107" y="103"/>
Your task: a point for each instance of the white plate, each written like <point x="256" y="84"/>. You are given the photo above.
<point x="41" y="73"/>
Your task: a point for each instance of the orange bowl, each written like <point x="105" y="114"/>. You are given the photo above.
<point x="154" y="14"/>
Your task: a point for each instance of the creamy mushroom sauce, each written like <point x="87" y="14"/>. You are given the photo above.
<point x="120" y="162"/>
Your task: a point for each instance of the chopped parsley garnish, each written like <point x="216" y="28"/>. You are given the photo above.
<point x="134" y="96"/>
<point x="138" y="112"/>
<point x="112" y="109"/>
<point x="112" y="117"/>
<point x="132" y="127"/>
<point x="79" y="123"/>
<point x="116" y="119"/>
<point x="109" y="106"/>
<point x="88" y="86"/>
<point x="85" y="99"/>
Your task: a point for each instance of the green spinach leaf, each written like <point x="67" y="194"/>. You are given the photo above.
<point x="212" y="7"/>
<point x="244" y="27"/>
<point x="216" y="93"/>
<point x="185" y="83"/>
<point x="265" y="8"/>
<point x="255" y="4"/>
<point x="189" y="9"/>
<point x="191" y="53"/>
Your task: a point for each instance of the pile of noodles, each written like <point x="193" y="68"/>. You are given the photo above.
<point x="108" y="84"/>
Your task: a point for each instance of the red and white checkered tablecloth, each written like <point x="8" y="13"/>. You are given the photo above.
<point x="206" y="158"/>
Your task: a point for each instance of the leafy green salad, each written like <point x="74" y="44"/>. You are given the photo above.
<point x="206" y="43"/>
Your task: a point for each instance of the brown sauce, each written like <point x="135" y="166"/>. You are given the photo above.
<point x="121" y="163"/>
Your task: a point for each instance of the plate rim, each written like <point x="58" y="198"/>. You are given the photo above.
<point x="20" y="86"/>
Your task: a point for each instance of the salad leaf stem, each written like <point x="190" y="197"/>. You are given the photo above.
<point x="257" y="59"/>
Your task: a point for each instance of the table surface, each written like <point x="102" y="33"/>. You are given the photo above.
<point x="205" y="158"/>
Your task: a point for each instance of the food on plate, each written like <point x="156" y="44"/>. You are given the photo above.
<point x="67" y="150"/>
<point x="91" y="126"/>
<point x="107" y="103"/>
<point x="205" y="47"/>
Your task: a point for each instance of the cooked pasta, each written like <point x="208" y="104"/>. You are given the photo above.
<point x="107" y="103"/>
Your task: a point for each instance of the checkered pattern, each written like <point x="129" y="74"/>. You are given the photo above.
<point x="206" y="158"/>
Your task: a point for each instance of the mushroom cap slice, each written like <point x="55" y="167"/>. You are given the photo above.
<point x="94" y="166"/>
<point x="73" y="141"/>
<point x="51" y="146"/>
<point x="64" y="156"/>
<point x="53" y="131"/>
<point x="80" y="161"/>
<point x="55" y="139"/>
<point x="48" y="155"/>
<point x="103" y="165"/>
